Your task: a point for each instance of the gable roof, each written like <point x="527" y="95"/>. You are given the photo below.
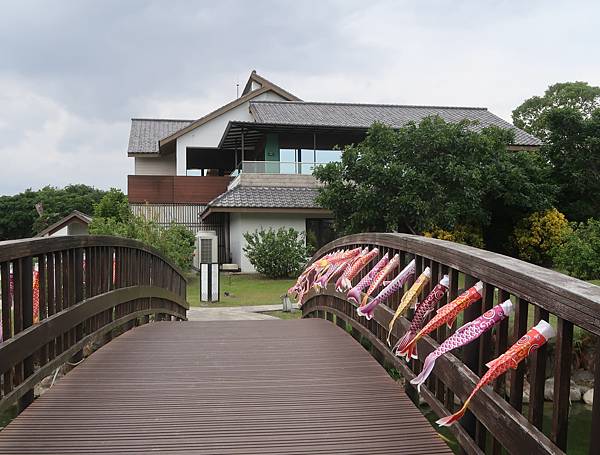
<point x="351" y="115"/>
<point x="266" y="86"/>
<point x="145" y="133"/>
<point x="74" y="215"/>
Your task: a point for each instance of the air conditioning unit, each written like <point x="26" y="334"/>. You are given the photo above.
<point x="207" y="251"/>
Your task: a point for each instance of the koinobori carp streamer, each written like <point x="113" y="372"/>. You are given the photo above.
<point x="344" y="283"/>
<point x="392" y="287"/>
<point x="528" y="343"/>
<point x="464" y="335"/>
<point x="422" y="311"/>
<point x="380" y="278"/>
<point x="446" y="315"/>
<point x="409" y="297"/>
<point x="355" y="293"/>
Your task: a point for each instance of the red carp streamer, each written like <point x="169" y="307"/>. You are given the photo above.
<point x="527" y="344"/>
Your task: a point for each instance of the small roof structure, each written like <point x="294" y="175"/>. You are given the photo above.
<point x="74" y="216"/>
<point x="266" y="199"/>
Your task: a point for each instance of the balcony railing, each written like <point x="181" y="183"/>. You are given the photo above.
<point x="278" y="167"/>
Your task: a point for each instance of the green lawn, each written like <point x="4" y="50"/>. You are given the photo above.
<point x="241" y="290"/>
<point x="296" y="314"/>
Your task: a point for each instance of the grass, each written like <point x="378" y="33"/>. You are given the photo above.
<point x="240" y="290"/>
<point x="296" y="314"/>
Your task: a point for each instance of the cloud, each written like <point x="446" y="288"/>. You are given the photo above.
<point x="72" y="74"/>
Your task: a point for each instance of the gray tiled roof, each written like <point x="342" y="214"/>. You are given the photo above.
<point x="145" y="133"/>
<point x="364" y="115"/>
<point x="267" y="197"/>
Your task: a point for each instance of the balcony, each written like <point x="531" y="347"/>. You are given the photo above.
<point x="169" y="189"/>
<point x="278" y="167"/>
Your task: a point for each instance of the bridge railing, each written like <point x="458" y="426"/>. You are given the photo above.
<point x="497" y="420"/>
<point x="60" y="294"/>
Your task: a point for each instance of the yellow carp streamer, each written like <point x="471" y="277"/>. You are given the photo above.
<point x="409" y="297"/>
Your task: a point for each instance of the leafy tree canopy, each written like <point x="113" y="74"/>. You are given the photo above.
<point x="114" y="204"/>
<point x="433" y="175"/>
<point x="573" y="149"/>
<point x="531" y="116"/>
<point x="18" y="215"/>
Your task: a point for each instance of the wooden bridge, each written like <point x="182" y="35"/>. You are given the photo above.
<point x="255" y="387"/>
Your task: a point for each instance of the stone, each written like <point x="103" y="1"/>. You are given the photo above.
<point x="574" y="391"/>
<point x="588" y="397"/>
<point x="583" y="378"/>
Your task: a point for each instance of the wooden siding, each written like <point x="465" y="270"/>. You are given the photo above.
<point x="175" y="189"/>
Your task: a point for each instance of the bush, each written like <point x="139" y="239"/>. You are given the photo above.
<point x="579" y="255"/>
<point x="176" y="242"/>
<point x="276" y="254"/>
<point x="460" y="234"/>
<point x="537" y="235"/>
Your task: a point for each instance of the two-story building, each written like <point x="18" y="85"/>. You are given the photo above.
<point x="249" y="163"/>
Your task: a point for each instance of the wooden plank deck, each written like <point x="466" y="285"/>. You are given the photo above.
<point x="240" y="387"/>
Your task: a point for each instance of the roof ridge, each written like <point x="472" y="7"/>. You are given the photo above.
<point x="331" y="103"/>
<point x="161" y="119"/>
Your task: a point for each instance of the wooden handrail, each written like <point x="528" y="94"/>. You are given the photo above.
<point x="60" y="294"/>
<point x="571" y="301"/>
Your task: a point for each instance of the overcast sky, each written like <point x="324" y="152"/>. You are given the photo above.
<point x="73" y="73"/>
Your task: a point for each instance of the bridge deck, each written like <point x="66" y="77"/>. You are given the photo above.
<point x="243" y="387"/>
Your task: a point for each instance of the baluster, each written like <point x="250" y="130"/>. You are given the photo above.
<point x="470" y="354"/>
<point x="500" y="348"/>
<point x="595" y="434"/>
<point x="537" y="376"/>
<point x="485" y="355"/>
<point x="7" y="318"/>
<point x="26" y="285"/>
<point x="43" y="302"/>
<point x="562" y="383"/>
<point x="517" y="376"/>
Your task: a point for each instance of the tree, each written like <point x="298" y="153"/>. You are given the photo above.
<point x="579" y="254"/>
<point x="531" y="116"/>
<point x="114" y="204"/>
<point x="573" y="149"/>
<point x="434" y="175"/>
<point x="18" y="215"/>
<point x="112" y="216"/>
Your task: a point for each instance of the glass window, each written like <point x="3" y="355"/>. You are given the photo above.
<point x="328" y="156"/>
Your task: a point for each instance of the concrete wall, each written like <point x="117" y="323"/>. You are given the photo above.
<point x="210" y="134"/>
<point x="250" y="222"/>
<point x="161" y="165"/>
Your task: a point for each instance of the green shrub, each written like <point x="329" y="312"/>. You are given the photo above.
<point x="579" y="255"/>
<point x="176" y="242"/>
<point x="536" y="236"/>
<point x="460" y="234"/>
<point x="276" y="254"/>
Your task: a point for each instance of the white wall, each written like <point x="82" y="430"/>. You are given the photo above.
<point x="77" y="229"/>
<point x="161" y="165"/>
<point x="210" y="134"/>
<point x="239" y="223"/>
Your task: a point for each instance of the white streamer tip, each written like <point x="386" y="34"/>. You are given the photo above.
<point x="545" y="329"/>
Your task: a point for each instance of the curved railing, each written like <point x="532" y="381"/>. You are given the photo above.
<point x="60" y="294"/>
<point x="495" y="420"/>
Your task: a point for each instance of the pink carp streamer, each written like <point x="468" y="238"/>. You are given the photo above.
<point x="392" y="287"/>
<point x="464" y="335"/>
<point x="409" y="297"/>
<point x="319" y="269"/>
<point x="354" y="293"/>
<point x="344" y="283"/>
<point x="446" y="315"/>
<point x="36" y="296"/>
<point x="421" y="313"/>
<point x="528" y="343"/>
<point x="380" y="277"/>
